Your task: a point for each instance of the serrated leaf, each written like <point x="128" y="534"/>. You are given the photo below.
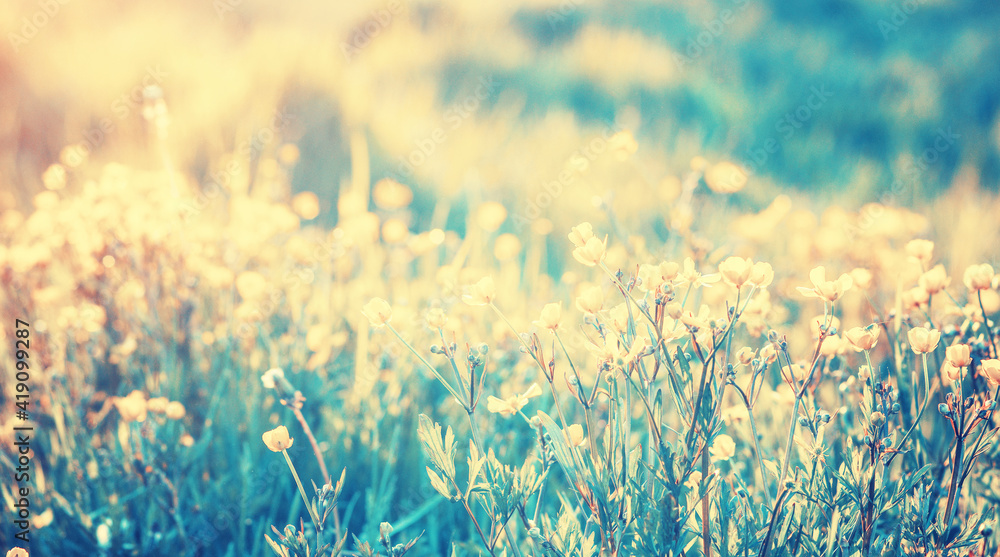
<point x="439" y="484"/>
<point x="441" y="453"/>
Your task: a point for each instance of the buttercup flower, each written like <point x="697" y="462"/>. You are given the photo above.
<point x="649" y="277"/>
<point x="574" y="435"/>
<point x="736" y="270"/>
<point x="923" y="340"/>
<point x="829" y="290"/>
<point x="935" y="280"/>
<point x="991" y="369"/>
<point x="378" y="312"/>
<point x="592" y="252"/>
<point x="958" y="355"/>
<point x="551" y="314"/>
<point x="862" y="277"/>
<point x="481" y="293"/>
<point x="513" y="404"/>
<point x="950" y="372"/>
<point x="694" y="480"/>
<point x="17" y="552"/>
<point x="277" y="439"/>
<point x="761" y="275"/>
<point x="979" y="277"/>
<point x="619" y="318"/>
<point x="157" y="405"/>
<point x="581" y="234"/>
<point x="863" y="338"/>
<point x="921" y="250"/>
<point x="175" y="410"/>
<point x="915" y="297"/>
<point x="591" y="300"/>
<point x="723" y="448"/>
<point x="691" y="276"/>
<point x="490" y="215"/>
<point x="132" y="407"/>
<point x="436" y="318"/>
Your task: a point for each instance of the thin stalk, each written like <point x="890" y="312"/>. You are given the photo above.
<point x="305" y="498"/>
<point x="427" y="364"/>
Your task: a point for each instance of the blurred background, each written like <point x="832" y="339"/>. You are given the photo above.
<point x="193" y="192"/>
<point x="837" y="98"/>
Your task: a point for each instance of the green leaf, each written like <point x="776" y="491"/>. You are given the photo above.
<point x="560" y="449"/>
<point x="441" y="453"/>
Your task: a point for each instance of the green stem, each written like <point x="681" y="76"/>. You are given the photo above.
<point x="302" y="492"/>
<point x="427" y="364"/>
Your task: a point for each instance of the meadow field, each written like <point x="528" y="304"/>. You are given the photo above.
<point x="548" y="278"/>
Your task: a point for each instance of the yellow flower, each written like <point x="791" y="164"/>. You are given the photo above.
<point x="436" y="318"/>
<point x="251" y="285"/>
<point x="694" y="480"/>
<point x="306" y="205"/>
<point x="507" y="247"/>
<point x="614" y="351"/>
<point x="863" y="338"/>
<point x="915" y="297"/>
<point x="619" y="318"/>
<point x="591" y="300"/>
<point x="723" y="448"/>
<point x="935" y="280"/>
<point x="592" y="252"/>
<point x="745" y="355"/>
<point x="132" y="407"/>
<point x="390" y="194"/>
<point x="761" y="275"/>
<point x="691" y="276"/>
<point x="513" y="404"/>
<point x="157" y="405"/>
<point x="175" y="410"/>
<point x="700" y="321"/>
<point x="991" y="369"/>
<point x="862" y="277"/>
<point x="551" y="314"/>
<point x="950" y="372"/>
<point x="725" y="177"/>
<point x="921" y="250"/>
<point x="923" y="340"/>
<point x="378" y="312"/>
<point x="481" y="293"/>
<point x="574" y="435"/>
<point x="736" y="270"/>
<point x="958" y="355"/>
<point x="277" y="439"/>
<point x="581" y="234"/>
<point x="829" y="290"/>
<point x="490" y="215"/>
<point x="979" y="277"/>
<point x="17" y="552"/>
<point x="651" y="277"/>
